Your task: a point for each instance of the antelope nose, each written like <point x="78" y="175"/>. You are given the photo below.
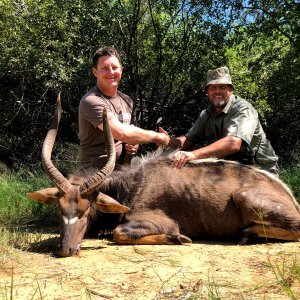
<point x="65" y="252"/>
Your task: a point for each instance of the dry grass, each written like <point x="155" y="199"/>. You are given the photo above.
<point x="107" y="271"/>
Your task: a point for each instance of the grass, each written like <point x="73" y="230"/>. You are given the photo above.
<point x="291" y="176"/>
<point x="19" y="215"/>
<point x="287" y="272"/>
<point x="7" y="291"/>
<point x="16" y="208"/>
<point x="180" y="284"/>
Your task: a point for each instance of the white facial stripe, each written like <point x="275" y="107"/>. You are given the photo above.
<point x="66" y="221"/>
<point x="71" y="221"/>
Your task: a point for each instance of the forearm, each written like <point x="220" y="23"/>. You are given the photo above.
<point x="219" y="149"/>
<point x="134" y="135"/>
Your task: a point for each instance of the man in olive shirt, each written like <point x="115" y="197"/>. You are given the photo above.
<point x="229" y="128"/>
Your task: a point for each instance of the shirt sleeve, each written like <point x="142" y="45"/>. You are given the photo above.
<point x="92" y="110"/>
<point x="242" y="122"/>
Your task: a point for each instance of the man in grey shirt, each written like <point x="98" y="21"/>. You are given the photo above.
<point x="107" y="69"/>
<point x="229" y="128"/>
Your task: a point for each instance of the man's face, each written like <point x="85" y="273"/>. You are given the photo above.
<point x="108" y="72"/>
<point x="218" y="94"/>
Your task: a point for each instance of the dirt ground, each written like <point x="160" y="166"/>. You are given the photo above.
<point x="103" y="270"/>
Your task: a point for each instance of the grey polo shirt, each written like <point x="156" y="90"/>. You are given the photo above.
<point x="92" y="151"/>
<point x="240" y="119"/>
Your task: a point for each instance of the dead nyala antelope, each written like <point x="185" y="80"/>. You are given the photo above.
<point x="154" y="203"/>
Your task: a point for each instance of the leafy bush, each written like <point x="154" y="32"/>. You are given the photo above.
<point x="291" y="176"/>
<point x="166" y="47"/>
<point x="16" y="208"/>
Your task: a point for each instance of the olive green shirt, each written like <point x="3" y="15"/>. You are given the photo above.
<point x="239" y="119"/>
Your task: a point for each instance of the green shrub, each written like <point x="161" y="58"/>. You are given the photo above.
<point x="291" y="176"/>
<point x="16" y="208"/>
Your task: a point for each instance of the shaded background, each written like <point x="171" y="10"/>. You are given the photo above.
<point x="166" y="48"/>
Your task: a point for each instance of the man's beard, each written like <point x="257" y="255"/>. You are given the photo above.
<point x="220" y="104"/>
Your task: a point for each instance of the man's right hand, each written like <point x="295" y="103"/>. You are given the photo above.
<point x="163" y="137"/>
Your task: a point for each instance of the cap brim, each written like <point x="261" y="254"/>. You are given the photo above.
<point x="219" y="81"/>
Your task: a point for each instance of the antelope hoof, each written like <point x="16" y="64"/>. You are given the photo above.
<point x="179" y="239"/>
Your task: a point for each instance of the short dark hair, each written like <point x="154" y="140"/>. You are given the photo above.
<point x="105" y="51"/>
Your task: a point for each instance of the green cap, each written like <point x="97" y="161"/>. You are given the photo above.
<point x="218" y="76"/>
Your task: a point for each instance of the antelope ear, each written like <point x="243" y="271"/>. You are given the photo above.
<point x="46" y="196"/>
<point x="107" y="204"/>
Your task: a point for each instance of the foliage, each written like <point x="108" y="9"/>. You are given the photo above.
<point x="166" y="46"/>
<point x="47" y="48"/>
<point x="263" y="56"/>
<point x="16" y="208"/>
<point x="291" y="176"/>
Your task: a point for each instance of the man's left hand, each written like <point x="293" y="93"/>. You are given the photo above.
<point x="131" y="149"/>
<point x="180" y="158"/>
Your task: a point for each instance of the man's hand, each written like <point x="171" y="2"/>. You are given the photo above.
<point x="164" y="138"/>
<point x="161" y="130"/>
<point x="180" y="158"/>
<point x="174" y="142"/>
<point x="131" y="149"/>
